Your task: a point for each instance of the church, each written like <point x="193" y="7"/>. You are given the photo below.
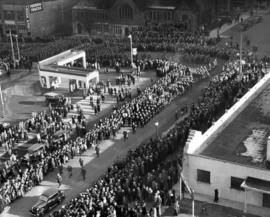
<point x="119" y="17"/>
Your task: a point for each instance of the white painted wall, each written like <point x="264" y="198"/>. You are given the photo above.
<point x="86" y="79"/>
<point x="221" y="172"/>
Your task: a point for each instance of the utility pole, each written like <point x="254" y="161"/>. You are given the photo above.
<point x="12" y="49"/>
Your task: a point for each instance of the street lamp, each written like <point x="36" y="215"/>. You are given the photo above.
<point x="241" y="53"/>
<point x="131" y="50"/>
<point x="18" y="50"/>
<point x="156" y="125"/>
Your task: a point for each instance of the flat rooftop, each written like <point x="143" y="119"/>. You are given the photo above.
<point x="68" y="70"/>
<point x="244" y="140"/>
<point x="71" y="54"/>
<point x="59" y="57"/>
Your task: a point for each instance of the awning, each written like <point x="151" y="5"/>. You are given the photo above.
<point x="256" y="184"/>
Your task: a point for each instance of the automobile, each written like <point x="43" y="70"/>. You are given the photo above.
<point x="61" y="134"/>
<point x="30" y="152"/>
<point x="47" y="201"/>
<point x="53" y="98"/>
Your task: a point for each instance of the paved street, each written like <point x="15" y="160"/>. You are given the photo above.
<point x="111" y="150"/>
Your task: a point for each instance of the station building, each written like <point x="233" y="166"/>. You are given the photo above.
<point x="233" y="155"/>
<point x="34" y="18"/>
<point x="118" y="17"/>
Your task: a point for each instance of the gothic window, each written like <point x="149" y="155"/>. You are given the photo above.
<point x="125" y="12"/>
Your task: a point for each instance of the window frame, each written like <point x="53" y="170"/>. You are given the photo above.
<point x="234" y="186"/>
<point x="202" y="177"/>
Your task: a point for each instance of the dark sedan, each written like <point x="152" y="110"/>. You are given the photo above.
<point x="47" y="201"/>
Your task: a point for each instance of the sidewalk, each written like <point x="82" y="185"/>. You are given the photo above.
<point x="225" y="27"/>
<point x="251" y="209"/>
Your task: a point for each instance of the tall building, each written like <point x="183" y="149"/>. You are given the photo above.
<point x="119" y="16"/>
<point x="34" y="18"/>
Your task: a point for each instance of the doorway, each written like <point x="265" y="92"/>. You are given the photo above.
<point x="79" y="28"/>
<point x="266" y="200"/>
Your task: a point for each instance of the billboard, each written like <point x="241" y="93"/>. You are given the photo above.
<point x="36" y="7"/>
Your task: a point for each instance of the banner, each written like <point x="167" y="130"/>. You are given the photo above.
<point x="134" y="51"/>
<point x="36" y="7"/>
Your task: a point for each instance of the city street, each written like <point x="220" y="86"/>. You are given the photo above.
<point x="111" y="150"/>
<point x="109" y="65"/>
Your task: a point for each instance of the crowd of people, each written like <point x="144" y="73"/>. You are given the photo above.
<point x="17" y="178"/>
<point x="145" y="174"/>
<point x="110" y="50"/>
<point x="220" y="94"/>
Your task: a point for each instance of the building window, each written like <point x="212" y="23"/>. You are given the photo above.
<point x="203" y="176"/>
<point x="169" y="15"/>
<point x="9" y="15"/>
<point x="125" y="12"/>
<point x="20" y="15"/>
<point x="236" y="183"/>
<point x="22" y="28"/>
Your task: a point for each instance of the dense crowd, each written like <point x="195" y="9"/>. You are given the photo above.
<point x="17" y="178"/>
<point x="145" y="174"/>
<point x="110" y="50"/>
<point x="220" y="94"/>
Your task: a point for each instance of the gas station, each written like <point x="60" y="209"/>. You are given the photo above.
<point x="58" y="71"/>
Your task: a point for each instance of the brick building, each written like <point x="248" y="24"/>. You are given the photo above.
<point x="119" y="16"/>
<point x="34" y="18"/>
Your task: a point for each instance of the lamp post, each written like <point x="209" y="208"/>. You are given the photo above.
<point x="156" y="125"/>
<point x="241" y="52"/>
<point x="131" y="50"/>
<point x="18" y="49"/>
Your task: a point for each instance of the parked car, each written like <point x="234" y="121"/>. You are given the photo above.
<point x="47" y="201"/>
<point x="53" y="98"/>
<point x="29" y="152"/>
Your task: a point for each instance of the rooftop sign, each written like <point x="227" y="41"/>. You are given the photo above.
<point x="36" y="7"/>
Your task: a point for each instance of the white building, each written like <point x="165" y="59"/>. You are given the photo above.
<point x="233" y="155"/>
<point x="56" y="71"/>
